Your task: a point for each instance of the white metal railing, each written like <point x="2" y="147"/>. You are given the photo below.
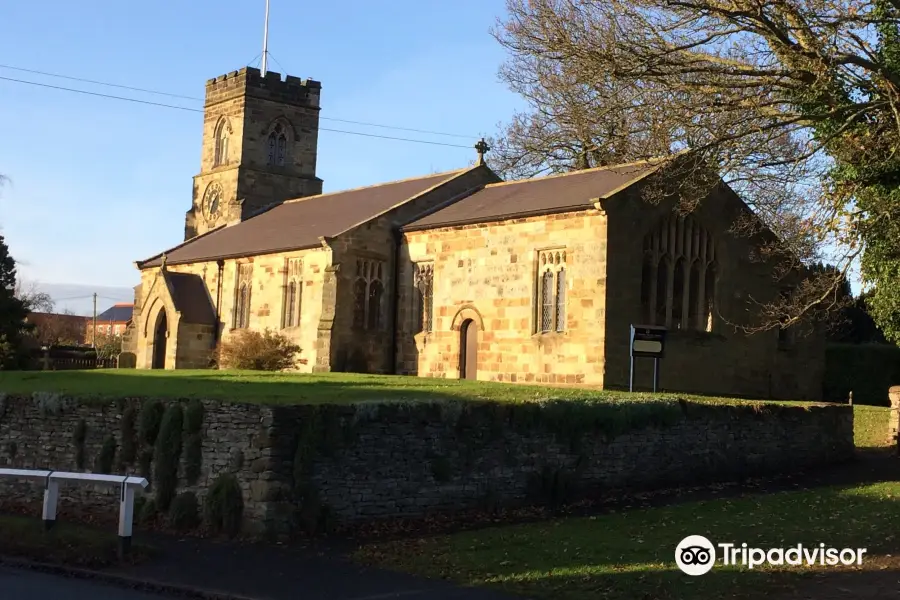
<point x="128" y="485"/>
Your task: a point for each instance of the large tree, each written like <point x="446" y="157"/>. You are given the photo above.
<point x="12" y="312"/>
<point x="796" y="103"/>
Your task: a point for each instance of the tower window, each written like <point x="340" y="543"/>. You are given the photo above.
<point x="276" y="146"/>
<point x="223" y="129"/>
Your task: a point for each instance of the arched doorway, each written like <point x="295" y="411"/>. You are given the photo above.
<point x="468" y="350"/>
<point x="160" y="340"/>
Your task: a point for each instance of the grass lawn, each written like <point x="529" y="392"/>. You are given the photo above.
<point x="66" y="543"/>
<point x="292" y="388"/>
<point x="870" y="425"/>
<point x="630" y="555"/>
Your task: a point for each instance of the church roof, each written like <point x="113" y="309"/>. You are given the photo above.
<point x="297" y="224"/>
<point x="527" y="197"/>
<point x="191" y="298"/>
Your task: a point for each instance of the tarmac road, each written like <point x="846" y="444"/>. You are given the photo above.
<point x="30" y="585"/>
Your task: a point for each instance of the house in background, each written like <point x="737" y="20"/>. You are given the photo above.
<point x="57" y="328"/>
<point x="112" y="321"/>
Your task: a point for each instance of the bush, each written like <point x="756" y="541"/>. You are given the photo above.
<point x="193" y="442"/>
<point x="184" y="514"/>
<point x="147" y="511"/>
<point x="107" y="455"/>
<point x="150" y="420"/>
<point x="128" y="453"/>
<point x="165" y="459"/>
<point x="224" y="506"/>
<point x="255" y="351"/>
<point x="868" y="370"/>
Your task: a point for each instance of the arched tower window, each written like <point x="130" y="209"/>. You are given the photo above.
<point x="223" y="130"/>
<point x="678" y="274"/>
<point x="277" y="146"/>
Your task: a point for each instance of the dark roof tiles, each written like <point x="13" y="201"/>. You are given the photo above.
<point x="555" y="193"/>
<point x="300" y="223"/>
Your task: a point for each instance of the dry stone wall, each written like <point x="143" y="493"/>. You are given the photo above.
<point x="304" y="467"/>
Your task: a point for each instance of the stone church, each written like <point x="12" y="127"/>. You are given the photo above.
<point x="456" y="274"/>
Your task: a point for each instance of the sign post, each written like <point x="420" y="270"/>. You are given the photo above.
<point x="647" y="341"/>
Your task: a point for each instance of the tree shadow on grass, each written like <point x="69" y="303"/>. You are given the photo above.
<point x="631" y="555"/>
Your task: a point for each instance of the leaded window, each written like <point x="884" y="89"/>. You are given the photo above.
<point x="551" y="291"/>
<point x="424" y="284"/>
<point x="368" y="292"/>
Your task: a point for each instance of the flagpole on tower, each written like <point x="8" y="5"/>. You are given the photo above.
<point x="265" y="53"/>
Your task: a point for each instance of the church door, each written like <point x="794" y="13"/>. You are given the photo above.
<point x="160" y="340"/>
<point x="468" y="350"/>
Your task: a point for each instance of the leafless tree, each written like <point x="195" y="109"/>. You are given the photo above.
<point x="35" y="300"/>
<point x="747" y="86"/>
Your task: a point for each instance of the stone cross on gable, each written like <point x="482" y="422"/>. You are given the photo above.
<point x="481" y="147"/>
<point x="162" y="261"/>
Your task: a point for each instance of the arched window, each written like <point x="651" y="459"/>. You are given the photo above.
<point x="678" y="290"/>
<point x="709" y="289"/>
<point x="242" y="296"/>
<point x="376" y="291"/>
<point x="550" y="292"/>
<point x="694" y="308"/>
<point x="223" y="129"/>
<point x="561" y="299"/>
<point x="368" y="291"/>
<point x="675" y="292"/>
<point x="662" y="288"/>
<point x="424" y="286"/>
<point x="276" y="144"/>
<point x="293" y="290"/>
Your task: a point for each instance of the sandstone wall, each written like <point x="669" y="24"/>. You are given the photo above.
<point x="267" y="299"/>
<point x="489" y="272"/>
<point x="357" y="462"/>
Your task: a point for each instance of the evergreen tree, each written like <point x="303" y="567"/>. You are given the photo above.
<point x="12" y="312"/>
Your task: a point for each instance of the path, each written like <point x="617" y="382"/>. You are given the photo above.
<point x="29" y="585"/>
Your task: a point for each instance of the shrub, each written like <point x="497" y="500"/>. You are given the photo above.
<point x="224" y="506"/>
<point x="868" y="370"/>
<point x="193" y="442"/>
<point x="165" y="458"/>
<point x="184" y="514"/>
<point x="107" y="455"/>
<point x="78" y="439"/>
<point x="147" y="511"/>
<point x="150" y="420"/>
<point x="128" y="453"/>
<point x="267" y="351"/>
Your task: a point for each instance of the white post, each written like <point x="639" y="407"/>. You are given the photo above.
<point x="51" y="495"/>
<point x="126" y="517"/>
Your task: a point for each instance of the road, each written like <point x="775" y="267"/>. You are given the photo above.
<point x="29" y="585"/>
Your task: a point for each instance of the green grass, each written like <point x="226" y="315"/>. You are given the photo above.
<point x="293" y="388"/>
<point x="66" y="543"/>
<point x="870" y="425"/>
<point x="631" y="554"/>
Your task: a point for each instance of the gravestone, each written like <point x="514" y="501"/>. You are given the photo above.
<point x="894" y="420"/>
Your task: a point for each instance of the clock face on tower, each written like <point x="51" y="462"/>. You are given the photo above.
<point x="212" y="202"/>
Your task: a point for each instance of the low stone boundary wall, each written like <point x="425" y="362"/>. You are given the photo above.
<point x="303" y="466"/>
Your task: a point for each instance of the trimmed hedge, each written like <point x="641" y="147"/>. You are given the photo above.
<point x="868" y="370"/>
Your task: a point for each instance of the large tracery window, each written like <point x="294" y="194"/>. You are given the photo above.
<point x="551" y="291"/>
<point x="678" y="276"/>
<point x="424" y="285"/>
<point x="368" y="294"/>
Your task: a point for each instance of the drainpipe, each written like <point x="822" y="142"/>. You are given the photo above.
<point x="218" y="332"/>
<point x="398" y="237"/>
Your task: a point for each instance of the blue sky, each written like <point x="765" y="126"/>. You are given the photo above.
<point x="97" y="184"/>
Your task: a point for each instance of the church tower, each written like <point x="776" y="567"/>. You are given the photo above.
<point x="260" y="137"/>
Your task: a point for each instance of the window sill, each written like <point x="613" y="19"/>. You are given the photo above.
<point x="549" y="335"/>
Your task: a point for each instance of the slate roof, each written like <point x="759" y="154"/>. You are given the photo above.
<point x="545" y="195"/>
<point x="297" y="224"/>
<point x="117" y="313"/>
<point x="191" y="298"/>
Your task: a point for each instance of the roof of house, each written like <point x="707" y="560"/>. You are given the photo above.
<point x="117" y="313"/>
<point x="300" y="223"/>
<point x="191" y="298"/>
<point x="555" y="193"/>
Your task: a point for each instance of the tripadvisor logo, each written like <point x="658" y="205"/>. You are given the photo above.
<point x="696" y="555"/>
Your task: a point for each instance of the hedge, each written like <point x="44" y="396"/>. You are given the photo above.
<point x="868" y="370"/>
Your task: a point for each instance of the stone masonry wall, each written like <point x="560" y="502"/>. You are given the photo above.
<point x="367" y="461"/>
<point x="489" y="272"/>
